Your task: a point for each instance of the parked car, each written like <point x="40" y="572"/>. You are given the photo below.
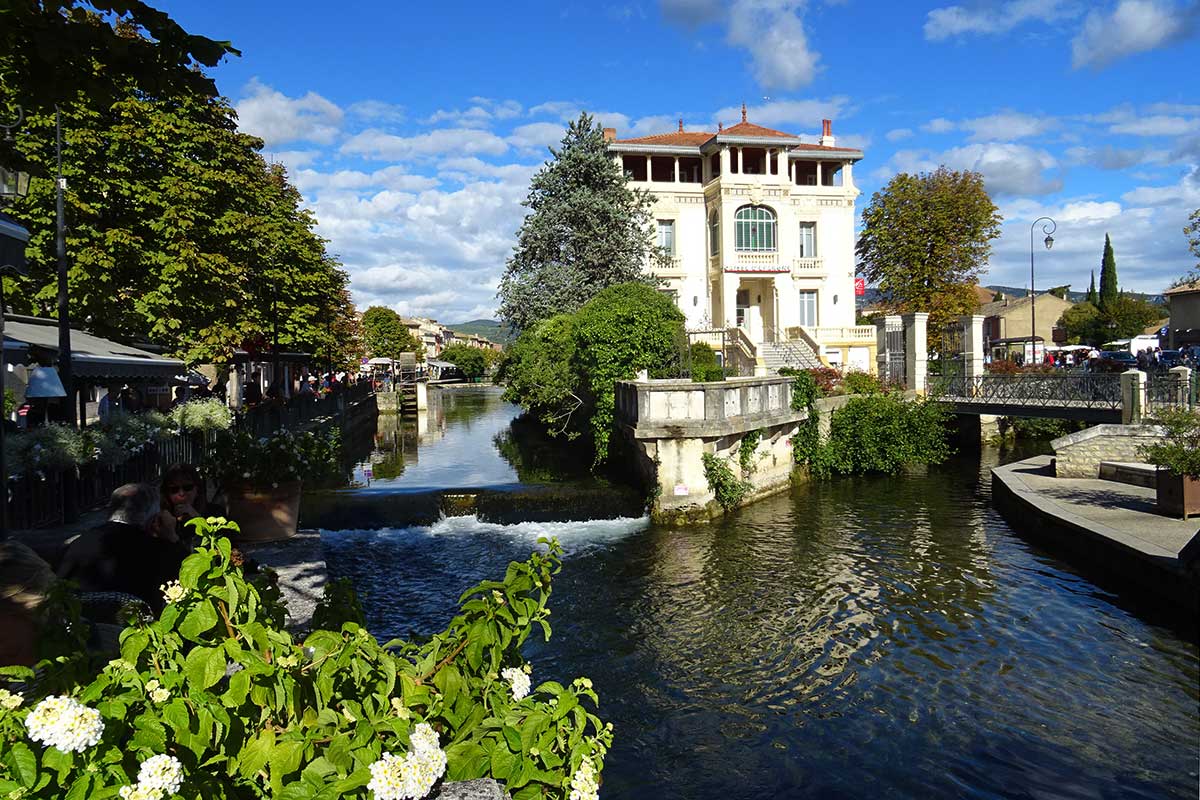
<point x="1111" y="361"/>
<point x="1170" y="358"/>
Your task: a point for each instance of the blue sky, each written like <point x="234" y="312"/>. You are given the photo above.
<point x="413" y="129"/>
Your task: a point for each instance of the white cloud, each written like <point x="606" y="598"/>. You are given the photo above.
<point x="1185" y="193"/>
<point x="1116" y="158"/>
<point x="1157" y="125"/>
<point x="773" y="33"/>
<point x="1134" y="26"/>
<point x="535" y="137"/>
<point x="279" y="119"/>
<point x="292" y="159"/>
<point x="898" y="134"/>
<point x="953" y="21"/>
<point x="374" y="143"/>
<point x="485" y="112"/>
<point x="938" y="125"/>
<point x="378" y="110"/>
<point x="394" y="177"/>
<point x="790" y="115"/>
<point x="1006" y="126"/>
<point x="1007" y="169"/>
<point x="691" y="13"/>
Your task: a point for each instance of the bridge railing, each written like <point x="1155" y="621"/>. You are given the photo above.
<point x="1166" y="391"/>
<point x="1059" y="390"/>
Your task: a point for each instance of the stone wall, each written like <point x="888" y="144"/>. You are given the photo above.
<point x="1078" y="455"/>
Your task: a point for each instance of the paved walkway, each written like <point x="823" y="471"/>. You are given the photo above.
<point x="1114" y="525"/>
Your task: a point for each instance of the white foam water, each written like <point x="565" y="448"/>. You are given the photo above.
<point x="573" y="536"/>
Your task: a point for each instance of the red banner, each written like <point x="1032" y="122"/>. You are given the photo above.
<point x="860" y="287"/>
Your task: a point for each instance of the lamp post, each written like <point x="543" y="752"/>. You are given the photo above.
<point x="1049" y="228"/>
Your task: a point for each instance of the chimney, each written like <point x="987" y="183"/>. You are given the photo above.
<point x="743" y="112"/>
<point x="827" y="139"/>
<point x="681" y="124"/>
<point x="610" y="134"/>
<point x="720" y="127"/>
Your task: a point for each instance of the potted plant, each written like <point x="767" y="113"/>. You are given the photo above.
<point x="1177" y="456"/>
<point x="262" y="478"/>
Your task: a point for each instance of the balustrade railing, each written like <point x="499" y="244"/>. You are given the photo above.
<point x="1071" y="390"/>
<point x="1168" y="391"/>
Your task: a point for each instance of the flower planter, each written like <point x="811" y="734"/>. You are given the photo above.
<point x="1178" y="496"/>
<point x="264" y="514"/>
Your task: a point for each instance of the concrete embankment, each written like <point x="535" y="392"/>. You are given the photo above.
<point x="1110" y="528"/>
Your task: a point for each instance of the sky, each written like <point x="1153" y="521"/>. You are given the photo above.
<point x="413" y="129"/>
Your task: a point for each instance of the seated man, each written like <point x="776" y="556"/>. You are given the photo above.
<point x="135" y="552"/>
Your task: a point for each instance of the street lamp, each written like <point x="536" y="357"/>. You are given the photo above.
<point x="1049" y="228"/>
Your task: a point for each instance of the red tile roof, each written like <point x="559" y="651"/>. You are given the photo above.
<point x="750" y="129"/>
<point x="691" y="139"/>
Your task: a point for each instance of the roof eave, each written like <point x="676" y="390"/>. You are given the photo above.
<point x="665" y="149"/>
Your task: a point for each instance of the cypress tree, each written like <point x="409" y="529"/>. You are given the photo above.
<point x="1108" y="276"/>
<point x="1092" y="297"/>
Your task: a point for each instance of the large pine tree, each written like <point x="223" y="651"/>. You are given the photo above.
<point x="1108" y="276"/>
<point x="586" y="230"/>
<point x="1092" y="297"/>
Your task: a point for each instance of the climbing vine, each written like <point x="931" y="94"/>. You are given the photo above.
<point x="727" y="488"/>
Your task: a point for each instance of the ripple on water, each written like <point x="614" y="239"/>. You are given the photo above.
<point x="862" y="637"/>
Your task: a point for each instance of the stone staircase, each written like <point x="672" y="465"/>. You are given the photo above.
<point x="794" y="353"/>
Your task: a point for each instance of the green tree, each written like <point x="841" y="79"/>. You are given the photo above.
<point x="1083" y="324"/>
<point x="471" y="360"/>
<point x="1092" y="297"/>
<point x="586" y="230"/>
<point x="538" y="371"/>
<point x="384" y="333"/>
<point x="1060" y="291"/>
<point x="1108" y="276"/>
<point x="925" y="240"/>
<point x="1127" y="316"/>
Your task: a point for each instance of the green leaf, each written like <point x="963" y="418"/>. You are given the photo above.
<point x="133" y="643"/>
<point x="566" y="702"/>
<point x="504" y="762"/>
<point x="204" y="666"/>
<point x="256" y="753"/>
<point x="513" y="737"/>
<point x="21" y="761"/>
<point x="80" y="789"/>
<point x="239" y="685"/>
<point x="201" y="618"/>
<point x="193" y="567"/>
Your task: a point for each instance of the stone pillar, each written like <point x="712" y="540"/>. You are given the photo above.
<point x="881" y="344"/>
<point x="819" y="170"/>
<point x="847" y="176"/>
<point x="740" y="165"/>
<point x="916" y="350"/>
<point x="725" y="169"/>
<point x="233" y="390"/>
<point x="972" y="345"/>
<point x="677" y="169"/>
<point x="1133" y="396"/>
<point x="1184" y="376"/>
<point x="649" y="170"/>
<point x="783" y="161"/>
<point x="422" y="396"/>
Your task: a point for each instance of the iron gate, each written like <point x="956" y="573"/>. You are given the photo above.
<point x="895" y="370"/>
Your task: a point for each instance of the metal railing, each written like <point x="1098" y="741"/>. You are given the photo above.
<point x="1167" y="391"/>
<point x="1070" y="390"/>
<point x="299" y="411"/>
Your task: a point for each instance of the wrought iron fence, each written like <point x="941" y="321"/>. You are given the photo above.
<point x="1047" y="390"/>
<point x="1169" y="391"/>
<point x="895" y="364"/>
<point x="299" y="410"/>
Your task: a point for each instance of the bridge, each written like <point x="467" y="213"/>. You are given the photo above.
<point x="1077" y="396"/>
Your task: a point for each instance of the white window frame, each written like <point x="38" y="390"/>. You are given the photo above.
<point x="755" y="230"/>
<point x="714" y="233"/>
<point x="811" y="240"/>
<point x="666" y="225"/>
<point x="804" y="306"/>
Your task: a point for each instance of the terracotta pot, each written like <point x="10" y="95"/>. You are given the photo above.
<point x="1177" y="496"/>
<point x="264" y="514"/>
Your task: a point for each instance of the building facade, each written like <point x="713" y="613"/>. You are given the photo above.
<point x="759" y="229"/>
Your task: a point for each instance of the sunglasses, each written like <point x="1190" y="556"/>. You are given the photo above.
<point x="180" y="487"/>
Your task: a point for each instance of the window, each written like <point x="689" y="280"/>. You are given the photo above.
<point x="714" y="234"/>
<point x="808" y="240"/>
<point x="754" y="229"/>
<point x="808" y="308"/>
<point x="666" y="235"/>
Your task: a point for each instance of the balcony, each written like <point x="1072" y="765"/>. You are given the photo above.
<point x="674" y="268"/>
<point x="807" y="266"/>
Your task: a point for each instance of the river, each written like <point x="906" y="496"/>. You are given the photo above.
<point x="865" y="637"/>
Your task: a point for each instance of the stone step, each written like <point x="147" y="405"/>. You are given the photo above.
<point x="1130" y="473"/>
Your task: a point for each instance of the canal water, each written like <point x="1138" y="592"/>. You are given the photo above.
<point x="867" y="637"/>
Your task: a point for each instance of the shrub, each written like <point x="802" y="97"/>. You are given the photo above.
<point x="473" y="361"/>
<point x="1005" y="367"/>
<point x="236" y="456"/>
<point x="203" y="416"/>
<point x="1032" y="428"/>
<point x="225" y="704"/>
<point x="861" y="383"/>
<point x="804" y="388"/>
<point x="704" y="364"/>
<point x="1179" y="451"/>
<point x="727" y="488"/>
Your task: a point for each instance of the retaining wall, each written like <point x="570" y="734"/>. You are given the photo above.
<point x="1078" y="455"/>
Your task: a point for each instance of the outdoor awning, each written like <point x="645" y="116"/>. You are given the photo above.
<point x="91" y="356"/>
<point x="13" y="238"/>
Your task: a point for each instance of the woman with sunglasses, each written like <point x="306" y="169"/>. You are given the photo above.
<point x="184" y="495"/>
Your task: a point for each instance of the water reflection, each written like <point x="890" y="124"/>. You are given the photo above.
<point x="869" y="636"/>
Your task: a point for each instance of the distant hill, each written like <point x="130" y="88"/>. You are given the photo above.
<point x="489" y="329"/>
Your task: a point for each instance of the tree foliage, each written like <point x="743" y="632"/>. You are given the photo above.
<point x="1108" y="276"/>
<point x="586" y="230"/>
<point x="1192" y="232"/>
<point x="565" y="369"/>
<point x="178" y="231"/>
<point x="384" y="333"/>
<point x="473" y="361"/>
<point x="1124" y="318"/>
<point x="246" y="711"/>
<point x="926" y="239"/>
<point x="1092" y="296"/>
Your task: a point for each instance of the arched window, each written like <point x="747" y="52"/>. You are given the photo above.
<point x="714" y="234"/>
<point x="754" y="229"/>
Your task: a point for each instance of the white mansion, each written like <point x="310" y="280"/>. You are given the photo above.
<point x="760" y="229"/>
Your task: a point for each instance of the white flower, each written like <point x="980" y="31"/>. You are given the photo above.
<point x="583" y="782"/>
<point x="64" y="723"/>
<point x="162" y="772"/>
<point x="139" y="792"/>
<point x="411" y="776"/>
<point x="10" y="701"/>
<point x="519" y="681"/>
<point x="173" y="592"/>
<point x="152" y="684"/>
<point x="160" y="695"/>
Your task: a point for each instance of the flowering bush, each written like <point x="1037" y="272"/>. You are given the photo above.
<point x="213" y="701"/>
<point x="238" y="457"/>
<point x="112" y="442"/>
<point x="123" y="435"/>
<point x="203" y="416"/>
